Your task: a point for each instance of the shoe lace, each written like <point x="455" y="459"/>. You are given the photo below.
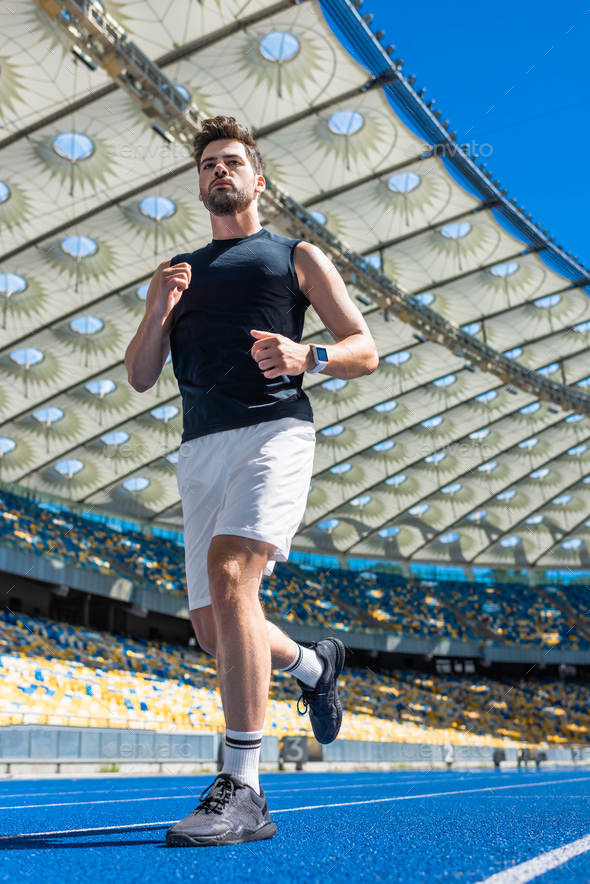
<point x="309" y="700"/>
<point x="220" y="792"/>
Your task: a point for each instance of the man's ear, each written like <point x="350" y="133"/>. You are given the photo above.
<point x="260" y="184"/>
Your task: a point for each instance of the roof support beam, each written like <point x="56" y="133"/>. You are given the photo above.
<point x="187" y="167"/>
<point x="387" y="295"/>
<point x="381" y="246"/>
<point x="174" y="55"/>
<point x="408" y="464"/>
<point x="172" y="400"/>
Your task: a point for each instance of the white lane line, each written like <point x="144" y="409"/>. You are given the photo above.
<point x="161" y="823"/>
<point x="5" y="796"/>
<point x="532" y="868"/>
<point x="184" y="789"/>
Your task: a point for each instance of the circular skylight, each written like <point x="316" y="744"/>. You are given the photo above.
<point x="384" y="407"/>
<point x="549" y="369"/>
<point x="48" y="415"/>
<point x="530" y="409"/>
<point x="488" y="467"/>
<point x="328" y="524"/>
<point x="432" y="422"/>
<point x="510" y="541"/>
<point x="388" y="532"/>
<point x="539" y="474"/>
<point x="451" y="489"/>
<point x="335" y="430"/>
<point x="583" y="327"/>
<point x="456" y="230"/>
<point x="26" y="356"/>
<point x="10" y="283"/>
<point x="4" y="191"/>
<point x="73" y="146"/>
<point x="487" y="397"/>
<point x="578" y="450"/>
<point x="136" y="483"/>
<point x="572" y="543"/>
<point x="6" y="445"/>
<point x="183" y="91"/>
<point x="360" y="501"/>
<point x="451" y="537"/>
<point x="79" y="246"/>
<point x="387" y="445"/>
<point x="426" y="298"/>
<point x="86" y="325"/>
<point x="548" y="301"/>
<point x="345" y="122"/>
<point x="117" y="437"/>
<point x="341" y="468"/>
<point x="69" y="467"/>
<point x="472" y="329"/>
<point x="278" y="46"/>
<point x="562" y="499"/>
<point x="505" y="495"/>
<point x="478" y="516"/>
<point x="164" y="412"/>
<point x="574" y="418"/>
<point x="334" y="384"/>
<point x="528" y="443"/>
<point x="398" y="358"/>
<point x="504" y="269"/>
<point x="478" y="435"/>
<point x="514" y="353"/>
<point x="396" y="480"/>
<point x="173" y="458"/>
<point x="534" y="520"/>
<point x="319" y="217"/>
<point x="435" y="458"/>
<point x="157" y="207"/>
<point x="446" y="381"/>
<point x="419" y="509"/>
<point x="101" y="388"/>
<point x="142" y="291"/>
<point x="403" y="182"/>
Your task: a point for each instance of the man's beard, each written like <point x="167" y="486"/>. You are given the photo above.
<point x="228" y="202"/>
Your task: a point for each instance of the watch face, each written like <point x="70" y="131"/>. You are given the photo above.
<point x="322" y="354"/>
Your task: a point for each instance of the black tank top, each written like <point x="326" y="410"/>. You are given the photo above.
<point x="236" y="285"/>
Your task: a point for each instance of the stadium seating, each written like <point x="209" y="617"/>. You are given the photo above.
<point x="342" y="599"/>
<point x="54" y="673"/>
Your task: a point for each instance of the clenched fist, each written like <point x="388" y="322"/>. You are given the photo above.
<point x="172" y="283"/>
<point x="277" y="355"/>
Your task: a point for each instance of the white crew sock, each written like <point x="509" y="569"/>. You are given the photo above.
<point x="242" y="754"/>
<point x="306" y="666"/>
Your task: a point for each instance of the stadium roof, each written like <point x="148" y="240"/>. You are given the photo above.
<point x="468" y="445"/>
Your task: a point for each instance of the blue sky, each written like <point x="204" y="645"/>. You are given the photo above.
<point x="515" y="76"/>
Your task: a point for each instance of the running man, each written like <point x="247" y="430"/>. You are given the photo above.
<point x="232" y="315"/>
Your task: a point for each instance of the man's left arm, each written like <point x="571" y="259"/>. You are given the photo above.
<point x="354" y="353"/>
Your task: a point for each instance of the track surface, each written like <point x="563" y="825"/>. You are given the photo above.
<point x="382" y="826"/>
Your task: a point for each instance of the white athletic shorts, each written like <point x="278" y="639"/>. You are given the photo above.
<point x="251" y="482"/>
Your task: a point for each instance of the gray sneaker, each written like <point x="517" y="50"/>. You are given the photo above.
<point x="230" y="812"/>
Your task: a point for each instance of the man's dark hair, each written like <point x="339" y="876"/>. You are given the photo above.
<point x="220" y="128"/>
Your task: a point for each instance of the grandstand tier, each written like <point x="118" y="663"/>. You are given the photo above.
<point x="59" y="674"/>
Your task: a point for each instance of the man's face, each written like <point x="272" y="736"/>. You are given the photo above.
<point x="227" y="182"/>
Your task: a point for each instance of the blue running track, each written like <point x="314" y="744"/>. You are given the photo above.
<point x="378" y="826"/>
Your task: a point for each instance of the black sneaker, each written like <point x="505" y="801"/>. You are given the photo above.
<point x="325" y="711"/>
<point x="231" y="813"/>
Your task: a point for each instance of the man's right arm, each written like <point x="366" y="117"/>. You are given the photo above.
<point x="146" y="354"/>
